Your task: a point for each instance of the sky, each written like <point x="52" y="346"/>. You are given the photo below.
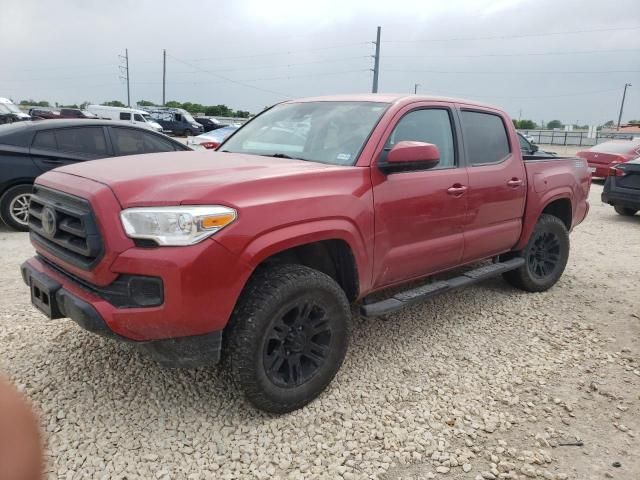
<point x="538" y="59"/>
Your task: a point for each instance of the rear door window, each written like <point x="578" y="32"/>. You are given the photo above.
<point x="87" y="140"/>
<point x="127" y="141"/>
<point x="485" y="137"/>
<point x="155" y="143"/>
<point x="45" y="140"/>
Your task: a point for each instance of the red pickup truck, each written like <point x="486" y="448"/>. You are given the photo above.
<point x="255" y="252"/>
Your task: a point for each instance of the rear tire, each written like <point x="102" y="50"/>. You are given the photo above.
<point x="288" y="336"/>
<point x="625" y="211"/>
<point x="187" y="133"/>
<point x="14" y="207"/>
<point x="546" y="256"/>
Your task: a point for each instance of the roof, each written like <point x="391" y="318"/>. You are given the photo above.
<point x="64" y="122"/>
<point x="390" y="98"/>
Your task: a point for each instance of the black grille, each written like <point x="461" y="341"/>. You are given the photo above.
<point x="65" y="226"/>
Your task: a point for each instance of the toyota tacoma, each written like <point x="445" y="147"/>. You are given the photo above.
<point x="256" y="252"/>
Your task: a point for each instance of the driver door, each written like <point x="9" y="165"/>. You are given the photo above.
<point x="420" y="215"/>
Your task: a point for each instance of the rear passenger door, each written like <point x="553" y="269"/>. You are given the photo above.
<point x="497" y="184"/>
<point x="62" y="146"/>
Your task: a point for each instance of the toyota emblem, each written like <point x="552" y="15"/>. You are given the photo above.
<point x="49" y="221"/>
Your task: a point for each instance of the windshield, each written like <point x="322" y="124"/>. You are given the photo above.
<point x="147" y="117"/>
<point x="12" y="107"/>
<point x="326" y="132"/>
<point x="187" y="116"/>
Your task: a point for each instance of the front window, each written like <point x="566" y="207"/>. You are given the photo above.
<point x="187" y="116"/>
<point x="325" y="132"/>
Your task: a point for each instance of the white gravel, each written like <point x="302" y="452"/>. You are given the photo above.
<point x="485" y="383"/>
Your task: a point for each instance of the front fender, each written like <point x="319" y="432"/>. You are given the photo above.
<point x="290" y="236"/>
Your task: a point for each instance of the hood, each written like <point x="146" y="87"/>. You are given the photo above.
<point x="191" y="178"/>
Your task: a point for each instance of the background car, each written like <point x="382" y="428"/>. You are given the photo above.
<point x="10" y="112"/>
<point x="76" y="113"/>
<point x="622" y="188"/>
<point x="603" y="156"/>
<point x="28" y="149"/>
<point x="528" y="148"/>
<point x="209" y="124"/>
<point x="212" y="140"/>
<point x="175" y="120"/>
<point x="42" y="113"/>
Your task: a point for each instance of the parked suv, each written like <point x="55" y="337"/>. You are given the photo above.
<point x="76" y="113"/>
<point x="176" y="121"/>
<point x="28" y="149"/>
<point x="255" y="251"/>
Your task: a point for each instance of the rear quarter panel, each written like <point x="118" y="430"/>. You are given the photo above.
<point x="549" y="180"/>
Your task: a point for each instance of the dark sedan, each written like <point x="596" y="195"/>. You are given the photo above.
<point x="28" y="149"/>
<point x="622" y="188"/>
<point x="209" y="124"/>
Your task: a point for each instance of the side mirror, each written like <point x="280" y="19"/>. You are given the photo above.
<point x="534" y="148"/>
<point x="409" y="155"/>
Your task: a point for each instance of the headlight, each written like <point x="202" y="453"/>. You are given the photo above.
<point x="176" y="226"/>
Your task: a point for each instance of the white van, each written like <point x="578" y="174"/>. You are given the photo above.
<point x="9" y="112"/>
<point x="123" y="114"/>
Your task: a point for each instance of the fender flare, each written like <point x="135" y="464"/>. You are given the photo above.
<point x="532" y="215"/>
<point x="283" y="238"/>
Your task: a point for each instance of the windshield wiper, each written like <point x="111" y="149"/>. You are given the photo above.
<point x="284" y="155"/>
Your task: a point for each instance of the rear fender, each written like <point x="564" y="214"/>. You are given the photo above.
<point x="534" y="209"/>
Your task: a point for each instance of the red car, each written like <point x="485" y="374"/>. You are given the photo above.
<point x="257" y="250"/>
<point x="608" y="154"/>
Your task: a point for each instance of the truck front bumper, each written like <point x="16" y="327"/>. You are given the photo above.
<point x="179" y="319"/>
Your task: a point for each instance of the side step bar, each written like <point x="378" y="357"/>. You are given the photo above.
<point x="424" y="292"/>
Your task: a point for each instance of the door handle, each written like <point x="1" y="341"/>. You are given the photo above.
<point x="514" y="182"/>
<point x="53" y="161"/>
<point x="457" y="190"/>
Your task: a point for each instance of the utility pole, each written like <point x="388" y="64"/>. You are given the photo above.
<point x="164" y="74"/>
<point x="376" y="62"/>
<point x="415" y="88"/>
<point x="125" y="70"/>
<point x="624" y="94"/>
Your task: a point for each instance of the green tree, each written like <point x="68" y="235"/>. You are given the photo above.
<point x="146" y="103"/>
<point x="554" y="124"/>
<point x="113" y="103"/>
<point x="242" y="114"/>
<point x="173" y="104"/>
<point x="634" y="122"/>
<point x="527" y="124"/>
<point x="33" y="103"/>
<point x="609" y="124"/>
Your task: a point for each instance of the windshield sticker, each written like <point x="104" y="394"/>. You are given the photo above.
<point x="343" y="156"/>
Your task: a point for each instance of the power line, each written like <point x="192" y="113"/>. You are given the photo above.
<point x="284" y="95"/>
<point x="581" y="52"/>
<point x="284" y="52"/>
<point x="526" y="35"/>
<point x="518" y="97"/>
<point x="505" y="72"/>
<point x="262" y="79"/>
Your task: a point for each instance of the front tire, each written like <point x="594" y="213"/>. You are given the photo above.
<point x="546" y="256"/>
<point x="14" y="207"/>
<point x="288" y="336"/>
<point x="187" y="133"/>
<point x="625" y="211"/>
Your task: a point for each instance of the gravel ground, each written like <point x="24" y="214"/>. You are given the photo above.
<point x="486" y="383"/>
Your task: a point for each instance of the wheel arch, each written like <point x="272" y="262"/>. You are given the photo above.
<point x="556" y="203"/>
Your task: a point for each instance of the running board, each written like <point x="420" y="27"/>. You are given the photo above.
<point x="424" y="292"/>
